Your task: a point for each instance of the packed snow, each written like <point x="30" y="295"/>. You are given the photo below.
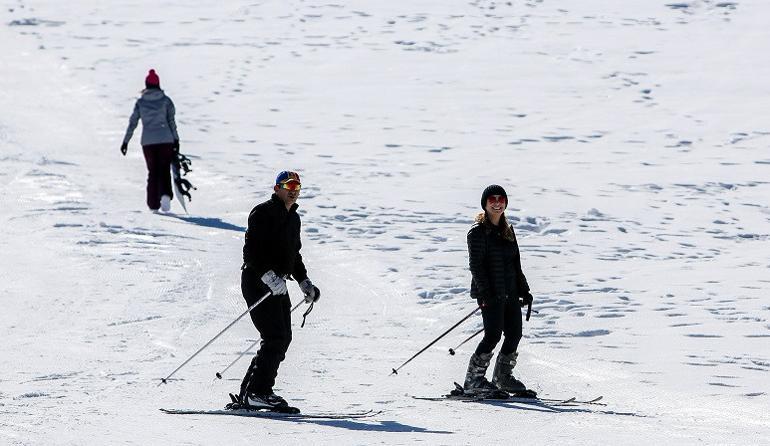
<point x="632" y="138"/>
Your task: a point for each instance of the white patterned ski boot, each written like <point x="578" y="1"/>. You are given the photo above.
<point x="476" y="383"/>
<point x="503" y="376"/>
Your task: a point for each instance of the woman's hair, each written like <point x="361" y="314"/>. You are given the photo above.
<point x="507" y="232"/>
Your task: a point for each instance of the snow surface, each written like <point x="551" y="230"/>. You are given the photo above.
<point x="632" y="138"/>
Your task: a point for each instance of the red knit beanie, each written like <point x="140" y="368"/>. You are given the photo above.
<point x="152" y="80"/>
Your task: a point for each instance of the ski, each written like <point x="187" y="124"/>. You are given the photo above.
<point x="263" y="413"/>
<point x="576" y="401"/>
<point x="526" y="396"/>
<point x="515" y="399"/>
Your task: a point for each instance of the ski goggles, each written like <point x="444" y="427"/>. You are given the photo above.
<point x="497" y="199"/>
<point x="291" y="185"/>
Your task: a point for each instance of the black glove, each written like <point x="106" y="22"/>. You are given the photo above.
<point x="317" y="293"/>
<point x="311" y="292"/>
<point x="526" y="300"/>
<point x="124" y="148"/>
<point x="176" y="145"/>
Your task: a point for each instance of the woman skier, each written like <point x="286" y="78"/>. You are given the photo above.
<point x="497" y="284"/>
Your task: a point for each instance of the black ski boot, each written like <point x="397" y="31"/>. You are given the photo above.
<point x="261" y="401"/>
<point x="503" y="376"/>
<point x="476" y="384"/>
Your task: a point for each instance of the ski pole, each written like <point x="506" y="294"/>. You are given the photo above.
<point x="395" y="371"/>
<point x="452" y="350"/>
<point x="219" y="374"/>
<point x="254" y="305"/>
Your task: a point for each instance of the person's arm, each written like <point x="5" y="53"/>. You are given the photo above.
<point x="299" y="272"/>
<point x="255" y="246"/>
<point x="477" y="254"/>
<point x="133" y="121"/>
<point x="170" y="117"/>
<point x="521" y="280"/>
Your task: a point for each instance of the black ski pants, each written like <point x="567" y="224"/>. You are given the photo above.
<point x="273" y="321"/>
<point x="158" y="158"/>
<point x="500" y="316"/>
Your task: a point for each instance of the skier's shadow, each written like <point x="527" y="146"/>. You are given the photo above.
<point x="374" y="426"/>
<point x="209" y="222"/>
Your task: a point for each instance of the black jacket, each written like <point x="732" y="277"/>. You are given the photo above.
<point x="495" y="264"/>
<point x="273" y="241"/>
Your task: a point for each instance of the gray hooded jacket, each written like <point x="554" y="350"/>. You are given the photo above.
<point x="157" y="113"/>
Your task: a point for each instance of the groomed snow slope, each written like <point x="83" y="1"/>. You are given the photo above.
<point x="632" y="139"/>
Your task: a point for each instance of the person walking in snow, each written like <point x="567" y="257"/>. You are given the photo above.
<point x="499" y="286"/>
<point x="160" y="141"/>
<point x="270" y="257"/>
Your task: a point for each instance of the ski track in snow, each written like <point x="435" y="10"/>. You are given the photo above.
<point x="631" y="140"/>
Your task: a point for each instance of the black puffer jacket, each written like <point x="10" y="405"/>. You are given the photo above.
<point x="495" y="264"/>
<point x="273" y="240"/>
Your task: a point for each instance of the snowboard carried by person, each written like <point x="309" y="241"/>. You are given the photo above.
<point x="180" y="167"/>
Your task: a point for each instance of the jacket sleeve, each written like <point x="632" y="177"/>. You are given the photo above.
<point x="521" y="280"/>
<point x="255" y="246"/>
<point x="477" y="253"/>
<point x="133" y="121"/>
<point x="170" y="117"/>
<point x="299" y="272"/>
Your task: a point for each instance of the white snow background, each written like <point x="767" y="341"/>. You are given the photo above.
<point x="632" y="138"/>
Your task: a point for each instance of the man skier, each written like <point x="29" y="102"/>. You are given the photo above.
<point x="270" y="257"/>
